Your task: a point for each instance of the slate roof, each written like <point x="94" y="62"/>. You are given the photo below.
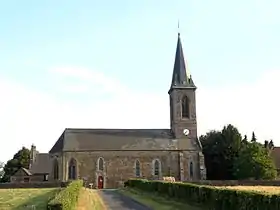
<point x="179" y="77"/>
<point x="155" y="133"/>
<point x="42" y="164"/>
<point x="27" y="171"/>
<point x="112" y="139"/>
<point x="24" y="170"/>
<point x="58" y="146"/>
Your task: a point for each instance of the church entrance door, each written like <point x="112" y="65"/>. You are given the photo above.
<point x="100" y="182"/>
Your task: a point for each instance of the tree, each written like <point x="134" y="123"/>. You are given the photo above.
<point x="1" y="169"/>
<point x="228" y="156"/>
<point x="20" y="159"/>
<point x="254" y="139"/>
<point x="270" y="145"/>
<point x="220" y="149"/>
<point x="266" y="144"/>
<point x="212" y="155"/>
<point x="233" y="143"/>
<point x="254" y="162"/>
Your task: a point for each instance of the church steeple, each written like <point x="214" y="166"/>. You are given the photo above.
<point x="180" y="79"/>
<point x="182" y="98"/>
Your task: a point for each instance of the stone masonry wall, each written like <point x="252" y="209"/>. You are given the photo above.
<point x="120" y="165"/>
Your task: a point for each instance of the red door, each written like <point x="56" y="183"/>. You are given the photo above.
<point x="100" y="182"/>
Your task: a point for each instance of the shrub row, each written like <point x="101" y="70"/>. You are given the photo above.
<point x="208" y="196"/>
<point x="67" y="198"/>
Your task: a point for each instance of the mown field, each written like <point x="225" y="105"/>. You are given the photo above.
<point x="25" y="199"/>
<point x="90" y="200"/>
<point x="262" y="189"/>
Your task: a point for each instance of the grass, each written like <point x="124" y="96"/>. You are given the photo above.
<point x="156" y="202"/>
<point x="261" y="189"/>
<point x="25" y="199"/>
<point x="89" y="199"/>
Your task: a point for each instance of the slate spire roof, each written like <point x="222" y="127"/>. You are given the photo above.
<point x="180" y="79"/>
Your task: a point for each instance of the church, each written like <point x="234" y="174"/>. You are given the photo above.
<point x="108" y="157"/>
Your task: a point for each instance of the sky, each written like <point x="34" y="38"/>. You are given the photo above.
<point x="108" y="64"/>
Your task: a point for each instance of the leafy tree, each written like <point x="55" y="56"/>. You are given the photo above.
<point x="254" y="162"/>
<point x="220" y="149"/>
<point x="20" y="159"/>
<point x="1" y="169"/>
<point x="270" y="145"/>
<point x="233" y="142"/>
<point x="254" y="139"/>
<point x="266" y="144"/>
<point x="228" y="156"/>
<point x="211" y="143"/>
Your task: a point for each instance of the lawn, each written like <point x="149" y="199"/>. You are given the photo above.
<point x="156" y="202"/>
<point x="25" y="199"/>
<point x="261" y="189"/>
<point x="89" y="200"/>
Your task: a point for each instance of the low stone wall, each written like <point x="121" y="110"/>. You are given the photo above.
<point x="33" y="185"/>
<point x="237" y="182"/>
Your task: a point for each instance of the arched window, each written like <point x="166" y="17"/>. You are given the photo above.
<point x="185" y="107"/>
<point x="191" y="169"/>
<point x="72" y="169"/>
<point x="100" y="164"/>
<point x="156" y="167"/>
<point x="55" y="170"/>
<point x="137" y="168"/>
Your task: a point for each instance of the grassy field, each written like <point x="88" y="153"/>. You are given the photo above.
<point x="262" y="189"/>
<point x="156" y="202"/>
<point x="25" y="199"/>
<point x="89" y="200"/>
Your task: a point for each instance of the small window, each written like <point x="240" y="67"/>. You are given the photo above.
<point x="72" y="169"/>
<point x="46" y="177"/>
<point x="137" y="168"/>
<point x="157" y="168"/>
<point x="100" y="164"/>
<point x="26" y="179"/>
<point x="191" y="169"/>
<point x="55" y="170"/>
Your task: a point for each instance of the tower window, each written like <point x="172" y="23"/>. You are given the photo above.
<point x="185" y="107"/>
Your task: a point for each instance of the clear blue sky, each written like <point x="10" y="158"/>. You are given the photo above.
<point x="135" y="39"/>
<point x="226" y="44"/>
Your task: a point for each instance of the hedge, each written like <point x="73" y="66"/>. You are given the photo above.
<point x="208" y="196"/>
<point x="67" y="198"/>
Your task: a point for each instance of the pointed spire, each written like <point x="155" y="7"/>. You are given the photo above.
<point x="180" y="78"/>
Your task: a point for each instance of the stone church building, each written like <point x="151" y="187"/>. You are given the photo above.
<point x="108" y="157"/>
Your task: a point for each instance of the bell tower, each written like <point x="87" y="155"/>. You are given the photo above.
<point x="182" y="99"/>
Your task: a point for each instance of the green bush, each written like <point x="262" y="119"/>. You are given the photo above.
<point x="67" y="198"/>
<point x="208" y="196"/>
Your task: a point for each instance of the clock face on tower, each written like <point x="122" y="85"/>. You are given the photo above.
<point x="186" y="132"/>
